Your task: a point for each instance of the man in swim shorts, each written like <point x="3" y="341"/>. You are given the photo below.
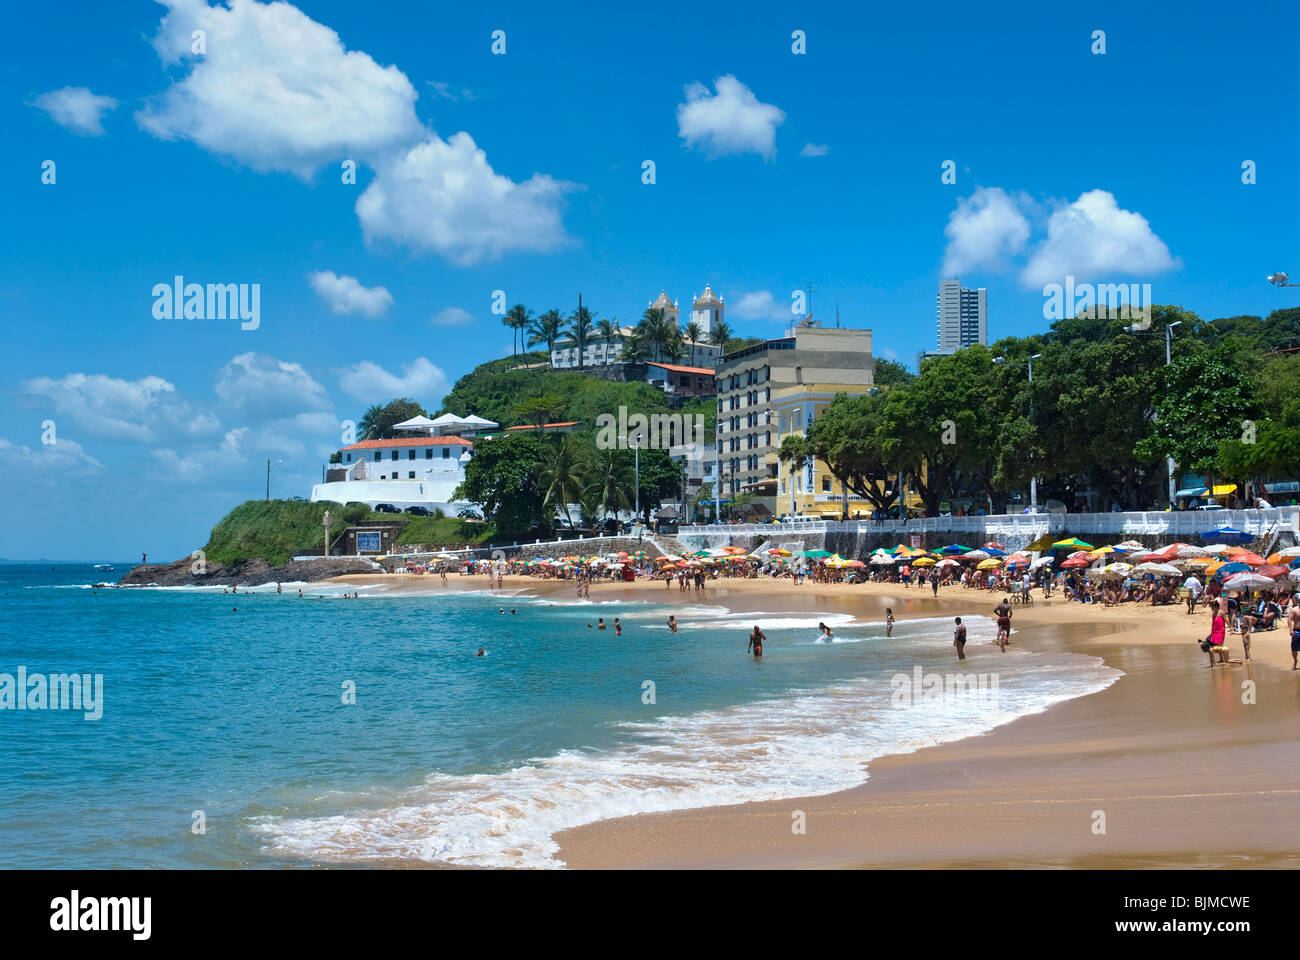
<point x="1293" y="624"/>
<point x="1003" y="612"/>
<point x="756" y="639"/>
<point x="672" y="624"/>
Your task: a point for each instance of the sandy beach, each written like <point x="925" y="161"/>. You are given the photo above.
<point x="1174" y="765"/>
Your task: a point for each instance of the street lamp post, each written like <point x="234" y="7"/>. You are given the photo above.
<point x="268" y="476"/>
<point x="326" y="521"/>
<point x="1169" y="461"/>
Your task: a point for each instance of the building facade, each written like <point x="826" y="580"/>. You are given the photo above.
<point x="679" y="381"/>
<point x="963" y="316"/>
<point x="814" y="359"/>
<point x="811" y="490"/>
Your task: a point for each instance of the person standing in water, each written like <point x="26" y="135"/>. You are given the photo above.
<point x="959" y="640"/>
<point x="889" y="621"/>
<point x="1003" y="611"/>
<point x="618" y="628"/>
<point x="934" y="582"/>
<point x="672" y="624"/>
<point x="826" y="632"/>
<point x="600" y="624"/>
<point x="756" y="639"/>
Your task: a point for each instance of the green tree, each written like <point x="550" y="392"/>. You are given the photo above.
<point x="562" y="474"/>
<point x="890" y="373"/>
<point x="517" y="320"/>
<point x="720" y="334"/>
<point x="377" y="423"/>
<point x="609" y="477"/>
<point x="502" y="476"/>
<point x="607" y="330"/>
<point x="692" y="333"/>
<point x="1203" y="401"/>
<point x="539" y="411"/>
<point x="580" y="328"/>
<point x="546" y="329"/>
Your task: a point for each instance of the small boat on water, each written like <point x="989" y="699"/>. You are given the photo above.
<point x="103" y="566"/>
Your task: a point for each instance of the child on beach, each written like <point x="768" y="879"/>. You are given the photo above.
<point x="1247" y="625"/>
<point x="889" y="621"/>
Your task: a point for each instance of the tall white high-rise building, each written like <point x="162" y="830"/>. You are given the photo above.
<point x="963" y="316"/>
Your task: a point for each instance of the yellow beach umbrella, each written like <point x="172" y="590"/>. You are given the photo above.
<point x="992" y="563"/>
<point x="924" y="562"/>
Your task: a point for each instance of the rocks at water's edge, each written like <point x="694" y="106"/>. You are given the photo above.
<point x="250" y="573"/>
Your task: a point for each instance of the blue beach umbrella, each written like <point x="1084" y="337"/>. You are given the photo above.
<point x="1228" y="569"/>
<point x="1226" y="535"/>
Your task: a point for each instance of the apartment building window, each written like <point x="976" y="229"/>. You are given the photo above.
<point x="349" y="458"/>
<point x="769" y="438"/>
<point x="410" y="474"/>
<point x="378" y="456"/>
<point x="428" y="453"/>
<point x="394" y="455"/>
<point x="826" y="484"/>
<point x="446" y="453"/>
<point x="410" y="454"/>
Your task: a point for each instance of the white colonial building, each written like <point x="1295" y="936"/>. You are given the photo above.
<point x="421" y="470"/>
<point x="707" y="312"/>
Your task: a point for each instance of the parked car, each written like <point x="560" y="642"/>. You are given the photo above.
<point x="419" y="511"/>
<point x="386" y="508"/>
<point x="300" y="499"/>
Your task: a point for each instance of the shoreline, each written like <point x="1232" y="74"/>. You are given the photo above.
<point x="1168" y="755"/>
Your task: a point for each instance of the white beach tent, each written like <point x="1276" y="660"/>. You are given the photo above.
<point x="416" y="423"/>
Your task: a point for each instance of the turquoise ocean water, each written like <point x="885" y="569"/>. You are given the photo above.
<point x="445" y="757"/>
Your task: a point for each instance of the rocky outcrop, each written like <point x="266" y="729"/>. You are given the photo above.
<point x="244" y="573"/>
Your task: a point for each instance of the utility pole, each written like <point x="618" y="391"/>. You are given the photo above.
<point x="1033" y="478"/>
<point x="327" y="533"/>
<point x="268" y="479"/>
<point x="1169" y="461"/>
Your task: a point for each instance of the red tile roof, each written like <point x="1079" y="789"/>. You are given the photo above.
<point x="410" y="442"/>
<point x="533" y="426"/>
<point x="703" y="371"/>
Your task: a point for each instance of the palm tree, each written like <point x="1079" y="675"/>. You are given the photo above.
<point x="609" y="478"/>
<point x="634" y="349"/>
<point x="675" y="349"/>
<point x="561" y="477"/>
<point x="720" y="334"/>
<point x="517" y="320"/>
<point x="692" y="332"/>
<point x="368" y="428"/>
<point x="607" y="330"/>
<point x="546" y="329"/>
<point x="580" y="326"/>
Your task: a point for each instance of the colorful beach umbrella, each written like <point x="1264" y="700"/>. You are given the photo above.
<point x="955" y="548"/>
<point x="923" y="562"/>
<point x="1074" y="543"/>
<point x="1227" y="535"/>
<point x="992" y="563"/>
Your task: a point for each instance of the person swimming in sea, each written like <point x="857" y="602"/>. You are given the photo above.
<point x="481" y="652"/>
<point x="827" y="636"/>
<point x="672" y="624"/>
<point x="889" y="621"/>
<point x="600" y="624"/>
<point x="756" y="639"/>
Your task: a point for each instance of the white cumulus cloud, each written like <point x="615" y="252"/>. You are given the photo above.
<point x="451" y="317"/>
<point x="732" y="120"/>
<point x="58" y="456"/>
<point x="814" y="150"/>
<point x="143" y="410"/>
<point x="1093" y="238"/>
<point x="443" y="197"/>
<point x="274" y="89"/>
<point x="986" y="228"/>
<point x="760" y="305"/>
<point x="260" y="386"/>
<point x="346" y="295"/>
<point x="77" y="109"/>
<point x="420" y="380"/>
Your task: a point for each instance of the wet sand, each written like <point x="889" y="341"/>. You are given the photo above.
<point x="1168" y="767"/>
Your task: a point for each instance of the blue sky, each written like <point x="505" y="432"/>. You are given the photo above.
<point x="522" y="172"/>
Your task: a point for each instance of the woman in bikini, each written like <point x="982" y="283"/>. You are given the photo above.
<point x="889" y="621"/>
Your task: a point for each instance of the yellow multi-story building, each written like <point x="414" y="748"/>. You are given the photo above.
<point x="814" y="490"/>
